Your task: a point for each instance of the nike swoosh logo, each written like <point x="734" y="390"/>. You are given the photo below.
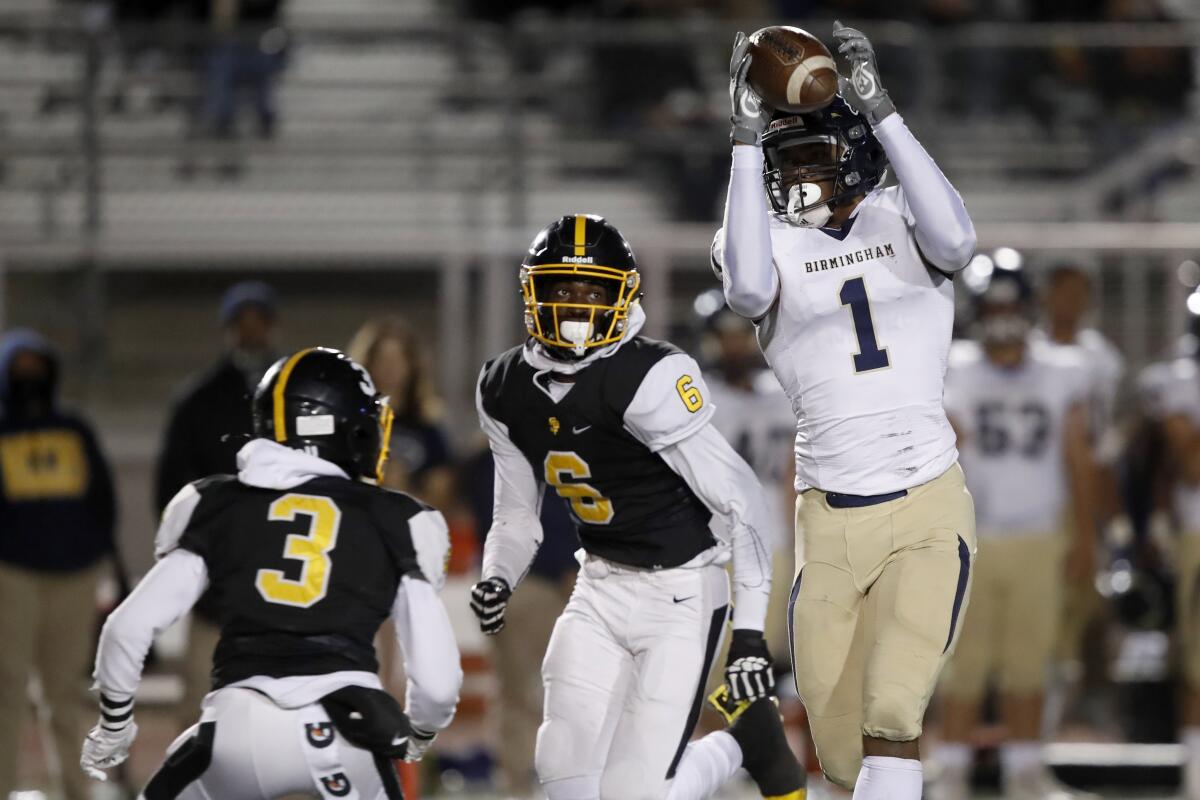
<point x="682" y="599"/>
<point x="399" y="740"/>
<point x="581" y="430"/>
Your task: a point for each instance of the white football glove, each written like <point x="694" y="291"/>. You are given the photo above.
<point x="748" y="671"/>
<point x="105" y="748"/>
<point x="418" y="742"/>
<point x="863" y="90"/>
<point x="749" y="116"/>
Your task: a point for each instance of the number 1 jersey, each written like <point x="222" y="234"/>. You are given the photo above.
<point x="859" y="338"/>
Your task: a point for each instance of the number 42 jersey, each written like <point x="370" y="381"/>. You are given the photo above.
<point x="859" y="338"/>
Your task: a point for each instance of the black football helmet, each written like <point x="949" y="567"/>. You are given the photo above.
<point x="839" y="146"/>
<point x="572" y="248"/>
<point x="322" y="402"/>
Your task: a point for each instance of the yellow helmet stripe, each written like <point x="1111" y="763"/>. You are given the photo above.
<point x="280" y="387"/>
<point x="580" y="233"/>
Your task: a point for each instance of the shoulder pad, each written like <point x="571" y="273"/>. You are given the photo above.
<point x="495" y="374"/>
<point x="627" y="369"/>
<point x="426" y="531"/>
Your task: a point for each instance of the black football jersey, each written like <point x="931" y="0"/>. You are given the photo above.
<point x="628" y="505"/>
<point x="308" y="574"/>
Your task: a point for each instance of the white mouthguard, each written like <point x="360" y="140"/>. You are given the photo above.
<point x="577" y="332"/>
<point x="803" y="194"/>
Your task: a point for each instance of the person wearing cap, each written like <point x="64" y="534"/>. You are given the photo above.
<point x="59" y="512"/>
<point x="209" y="421"/>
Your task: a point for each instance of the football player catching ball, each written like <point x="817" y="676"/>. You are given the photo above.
<point x="850" y="285"/>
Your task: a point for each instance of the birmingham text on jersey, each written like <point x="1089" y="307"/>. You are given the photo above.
<point x="855" y="257"/>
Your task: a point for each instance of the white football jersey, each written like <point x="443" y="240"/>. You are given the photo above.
<point x="1181" y="395"/>
<point x="758" y="422"/>
<point x="1012" y="424"/>
<point x="859" y="338"/>
<point x="1106" y="368"/>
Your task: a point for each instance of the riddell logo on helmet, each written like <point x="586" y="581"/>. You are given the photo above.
<point x="786" y="122"/>
<point x="578" y="259"/>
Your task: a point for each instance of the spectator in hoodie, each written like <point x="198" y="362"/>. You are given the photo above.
<point x="59" y="512"/>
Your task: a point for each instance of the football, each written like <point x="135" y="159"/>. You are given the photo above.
<point x="791" y="69"/>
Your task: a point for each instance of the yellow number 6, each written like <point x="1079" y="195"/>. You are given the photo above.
<point x="689" y="394"/>
<point x="588" y="504"/>
<point x="312" y="549"/>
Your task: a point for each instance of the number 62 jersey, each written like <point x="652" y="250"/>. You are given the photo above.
<point x="859" y="338"/>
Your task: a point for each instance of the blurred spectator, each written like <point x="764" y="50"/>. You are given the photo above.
<point x="246" y="52"/>
<point x="239" y="46"/>
<point x="652" y="93"/>
<point x="208" y="425"/>
<point x="420" y="461"/>
<point x="1140" y="84"/>
<point x="518" y="649"/>
<point x="59" y="511"/>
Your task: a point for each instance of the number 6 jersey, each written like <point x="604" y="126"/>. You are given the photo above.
<point x="859" y="337"/>
<point x="596" y="446"/>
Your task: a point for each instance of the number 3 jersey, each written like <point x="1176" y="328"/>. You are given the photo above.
<point x="1012" y="426"/>
<point x="307" y="569"/>
<point x="859" y="338"/>
<point x="596" y="442"/>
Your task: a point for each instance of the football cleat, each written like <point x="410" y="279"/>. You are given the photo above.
<point x="757" y="727"/>
<point x="1041" y="785"/>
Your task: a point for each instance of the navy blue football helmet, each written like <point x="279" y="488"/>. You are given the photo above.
<point x="833" y="143"/>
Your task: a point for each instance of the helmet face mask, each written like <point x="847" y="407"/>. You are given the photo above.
<point x="570" y="264"/>
<point x="814" y="163"/>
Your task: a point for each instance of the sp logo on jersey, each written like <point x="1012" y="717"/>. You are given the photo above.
<point x="554" y="426"/>
<point x="336" y="784"/>
<point x="319" y="734"/>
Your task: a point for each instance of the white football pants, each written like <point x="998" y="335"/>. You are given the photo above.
<point x="260" y="751"/>
<point x="624" y="676"/>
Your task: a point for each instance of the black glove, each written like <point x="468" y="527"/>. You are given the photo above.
<point x="489" y="598"/>
<point x="748" y="672"/>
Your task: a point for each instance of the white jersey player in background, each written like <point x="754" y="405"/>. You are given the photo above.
<point x="1066" y="303"/>
<point x="1021" y="413"/>
<point x="850" y="285"/>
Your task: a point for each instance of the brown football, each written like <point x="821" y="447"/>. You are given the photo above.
<point x="791" y="70"/>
